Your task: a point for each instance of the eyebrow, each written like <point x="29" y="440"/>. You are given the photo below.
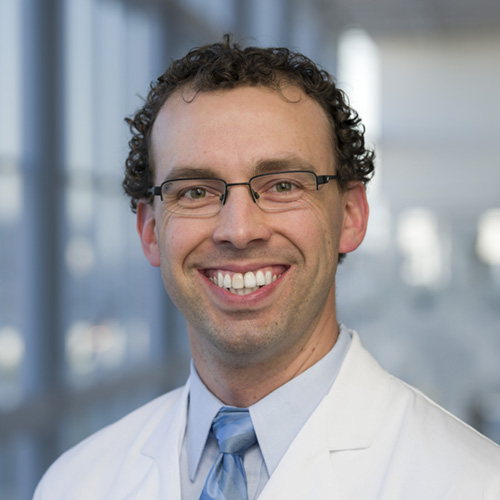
<point x="191" y="173"/>
<point x="281" y="164"/>
<point x="265" y="166"/>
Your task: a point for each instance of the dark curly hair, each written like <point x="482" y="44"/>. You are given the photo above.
<point x="226" y="65"/>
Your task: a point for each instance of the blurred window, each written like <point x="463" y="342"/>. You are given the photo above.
<point x="488" y="237"/>
<point x="421" y="242"/>
<point x="11" y="340"/>
<point x="112" y="352"/>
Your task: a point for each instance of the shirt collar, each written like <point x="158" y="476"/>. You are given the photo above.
<point x="277" y="418"/>
<point x="203" y="407"/>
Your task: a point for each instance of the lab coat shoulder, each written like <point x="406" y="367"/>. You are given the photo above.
<point x="421" y="451"/>
<point x="115" y="462"/>
<point x="404" y="444"/>
<point x="375" y="437"/>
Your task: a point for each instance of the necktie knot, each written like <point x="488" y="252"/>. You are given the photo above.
<point x="234" y="430"/>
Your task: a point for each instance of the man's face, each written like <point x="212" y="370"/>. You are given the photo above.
<point x="229" y="135"/>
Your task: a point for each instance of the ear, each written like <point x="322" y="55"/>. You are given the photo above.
<point x="355" y="220"/>
<point x="146" y="227"/>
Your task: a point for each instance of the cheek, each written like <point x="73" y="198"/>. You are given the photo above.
<point x="316" y="235"/>
<point x="324" y="225"/>
<point x="169" y="243"/>
<point x="174" y="247"/>
<point x="178" y="239"/>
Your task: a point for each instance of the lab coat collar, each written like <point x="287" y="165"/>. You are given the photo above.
<point x="167" y="438"/>
<point x="357" y="400"/>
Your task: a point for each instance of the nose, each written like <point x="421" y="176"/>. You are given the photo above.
<point x="240" y="222"/>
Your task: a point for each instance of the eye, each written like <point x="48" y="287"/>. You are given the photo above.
<point x="187" y="192"/>
<point x="284" y="186"/>
<point x="280" y="188"/>
<point x="195" y="193"/>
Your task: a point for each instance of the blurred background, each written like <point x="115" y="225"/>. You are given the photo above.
<point x="87" y="332"/>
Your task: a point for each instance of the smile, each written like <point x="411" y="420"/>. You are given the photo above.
<point x="245" y="283"/>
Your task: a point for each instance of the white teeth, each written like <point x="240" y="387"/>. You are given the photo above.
<point x="268" y="277"/>
<point x="260" y="278"/>
<point x="244" y="284"/>
<point x="250" y="280"/>
<point x="238" y="281"/>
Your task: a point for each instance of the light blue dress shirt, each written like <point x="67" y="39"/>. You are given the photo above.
<point x="277" y="419"/>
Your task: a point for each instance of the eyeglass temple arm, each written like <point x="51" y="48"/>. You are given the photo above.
<point x="154" y="191"/>
<point x="323" y="179"/>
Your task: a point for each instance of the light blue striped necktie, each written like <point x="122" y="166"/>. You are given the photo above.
<point x="234" y="431"/>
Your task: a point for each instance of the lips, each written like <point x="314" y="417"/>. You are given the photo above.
<point x="244" y="283"/>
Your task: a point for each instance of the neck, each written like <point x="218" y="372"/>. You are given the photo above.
<point x="242" y="384"/>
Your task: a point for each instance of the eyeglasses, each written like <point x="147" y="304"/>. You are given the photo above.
<point x="274" y="192"/>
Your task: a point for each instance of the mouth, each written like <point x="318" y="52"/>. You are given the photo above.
<point x="247" y="282"/>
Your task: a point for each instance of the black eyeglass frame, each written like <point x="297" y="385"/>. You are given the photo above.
<point x="320" y="180"/>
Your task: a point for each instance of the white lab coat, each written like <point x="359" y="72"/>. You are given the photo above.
<point x="371" y="438"/>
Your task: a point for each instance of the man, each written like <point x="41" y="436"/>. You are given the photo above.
<point x="247" y="171"/>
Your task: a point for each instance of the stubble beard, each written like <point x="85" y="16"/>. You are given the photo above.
<point x="242" y="340"/>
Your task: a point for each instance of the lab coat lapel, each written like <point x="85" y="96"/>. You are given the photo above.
<point x="357" y="400"/>
<point x="162" y="449"/>
<point x="348" y="418"/>
<point x="306" y="470"/>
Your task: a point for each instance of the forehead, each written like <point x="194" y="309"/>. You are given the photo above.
<point x="231" y="132"/>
